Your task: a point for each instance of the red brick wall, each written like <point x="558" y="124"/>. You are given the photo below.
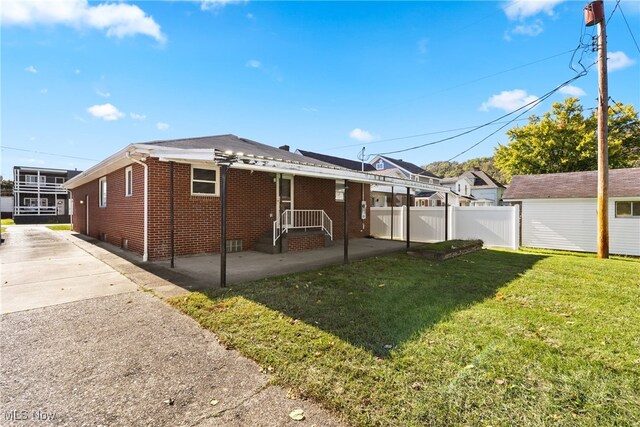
<point x="315" y="193"/>
<point x="122" y="218"/>
<point x="251" y="209"/>
<point x="301" y="243"/>
<point x="251" y="204"/>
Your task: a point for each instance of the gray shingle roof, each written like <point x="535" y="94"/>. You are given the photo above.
<point x="622" y="183"/>
<point x="414" y="169"/>
<point x="338" y="161"/>
<point x="239" y="145"/>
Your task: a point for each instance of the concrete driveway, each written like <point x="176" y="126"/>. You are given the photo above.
<point x="115" y="355"/>
<point x="40" y="268"/>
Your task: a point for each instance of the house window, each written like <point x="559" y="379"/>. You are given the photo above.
<point x="59" y="180"/>
<point x="466" y="190"/>
<point x="204" y="182"/>
<point x="128" y="181"/>
<point x="103" y="191"/>
<point x="458" y="188"/>
<point x="628" y="209"/>
<point x="32" y="202"/>
<point x="339" y="191"/>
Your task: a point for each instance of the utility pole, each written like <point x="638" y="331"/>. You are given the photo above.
<point x="594" y="14"/>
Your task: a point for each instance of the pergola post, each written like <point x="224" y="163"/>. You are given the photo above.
<point x="171" y="215"/>
<point x="346" y="221"/>
<point x="223" y="224"/>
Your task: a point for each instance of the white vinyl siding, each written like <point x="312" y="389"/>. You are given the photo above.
<point x="571" y="224"/>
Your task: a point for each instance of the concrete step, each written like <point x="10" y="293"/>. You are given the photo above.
<point x="267" y="247"/>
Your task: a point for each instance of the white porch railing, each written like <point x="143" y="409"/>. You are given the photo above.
<point x="302" y="219"/>
<point x="34" y="210"/>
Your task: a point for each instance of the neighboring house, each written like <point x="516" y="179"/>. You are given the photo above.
<point x="559" y="210"/>
<point x="475" y="188"/>
<point x="382" y="195"/>
<point x="39" y="195"/>
<point x="270" y="193"/>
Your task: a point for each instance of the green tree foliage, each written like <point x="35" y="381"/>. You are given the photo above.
<point x="7" y="187"/>
<point x="451" y="169"/>
<point x="565" y="140"/>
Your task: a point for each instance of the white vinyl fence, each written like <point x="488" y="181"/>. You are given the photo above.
<point x="496" y="226"/>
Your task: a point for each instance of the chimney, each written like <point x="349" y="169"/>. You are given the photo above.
<point x="284" y="147"/>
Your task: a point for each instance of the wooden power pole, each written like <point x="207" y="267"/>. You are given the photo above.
<point x="594" y="14"/>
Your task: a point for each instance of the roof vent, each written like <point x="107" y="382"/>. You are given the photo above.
<point x="284" y="147"/>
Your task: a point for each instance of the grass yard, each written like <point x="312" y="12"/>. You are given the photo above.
<point x="59" y="227"/>
<point x="489" y="338"/>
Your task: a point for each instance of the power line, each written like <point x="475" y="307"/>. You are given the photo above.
<point x="629" y="28"/>
<point x="534" y="104"/>
<point x="48" y="154"/>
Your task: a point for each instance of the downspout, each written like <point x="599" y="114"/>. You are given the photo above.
<point x="145" y="252"/>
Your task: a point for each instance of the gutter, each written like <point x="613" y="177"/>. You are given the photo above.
<point x="145" y="253"/>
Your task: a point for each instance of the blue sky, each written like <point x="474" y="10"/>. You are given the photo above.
<point x="82" y="80"/>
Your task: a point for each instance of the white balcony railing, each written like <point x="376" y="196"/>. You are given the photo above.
<point x="34" y="210"/>
<point x="35" y="187"/>
<point x="302" y="219"/>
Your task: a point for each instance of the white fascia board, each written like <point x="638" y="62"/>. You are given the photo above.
<point x="111" y="163"/>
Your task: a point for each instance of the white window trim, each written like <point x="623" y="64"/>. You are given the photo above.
<point x="102" y="198"/>
<point x="217" y="181"/>
<point x="128" y="181"/>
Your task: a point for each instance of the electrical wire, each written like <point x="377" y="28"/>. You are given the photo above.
<point x="613" y="11"/>
<point x="629" y="28"/>
<point x="48" y="154"/>
<point x="534" y="104"/>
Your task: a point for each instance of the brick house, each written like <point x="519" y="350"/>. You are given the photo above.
<point x="272" y="195"/>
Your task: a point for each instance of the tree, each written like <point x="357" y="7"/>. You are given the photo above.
<point x="7" y="187"/>
<point x="564" y="140"/>
<point x="452" y="169"/>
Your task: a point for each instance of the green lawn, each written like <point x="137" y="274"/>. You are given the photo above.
<point x="59" y="227"/>
<point x="489" y="338"/>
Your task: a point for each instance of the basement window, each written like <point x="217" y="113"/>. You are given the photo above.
<point x="102" y="189"/>
<point x="628" y="209"/>
<point x="204" y="181"/>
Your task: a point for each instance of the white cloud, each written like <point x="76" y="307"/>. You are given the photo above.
<point x="105" y="112"/>
<point x="117" y="19"/>
<point x="310" y="109"/>
<point x="508" y="100"/>
<point x="254" y="63"/>
<point x="136" y="116"/>
<point x="31" y="69"/>
<point x="521" y="9"/>
<point x="572" y="91"/>
<point x="218" y="4"/>
<point x="361" y="135"/>
<point x="423" y="45"/>
<point x="103" y="94"/>
<point x="618" y="60"/>
<point x="44" y="90"/>
<point x="77" y="71"/>
<point x="530" y="30"/>
<point x="162" y="126"/>
<point x="251" y="16"/>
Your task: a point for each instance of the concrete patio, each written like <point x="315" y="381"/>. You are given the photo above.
<point x="203" y="271"/>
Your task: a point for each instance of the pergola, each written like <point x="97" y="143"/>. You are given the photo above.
<point x="228" y="159"/>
